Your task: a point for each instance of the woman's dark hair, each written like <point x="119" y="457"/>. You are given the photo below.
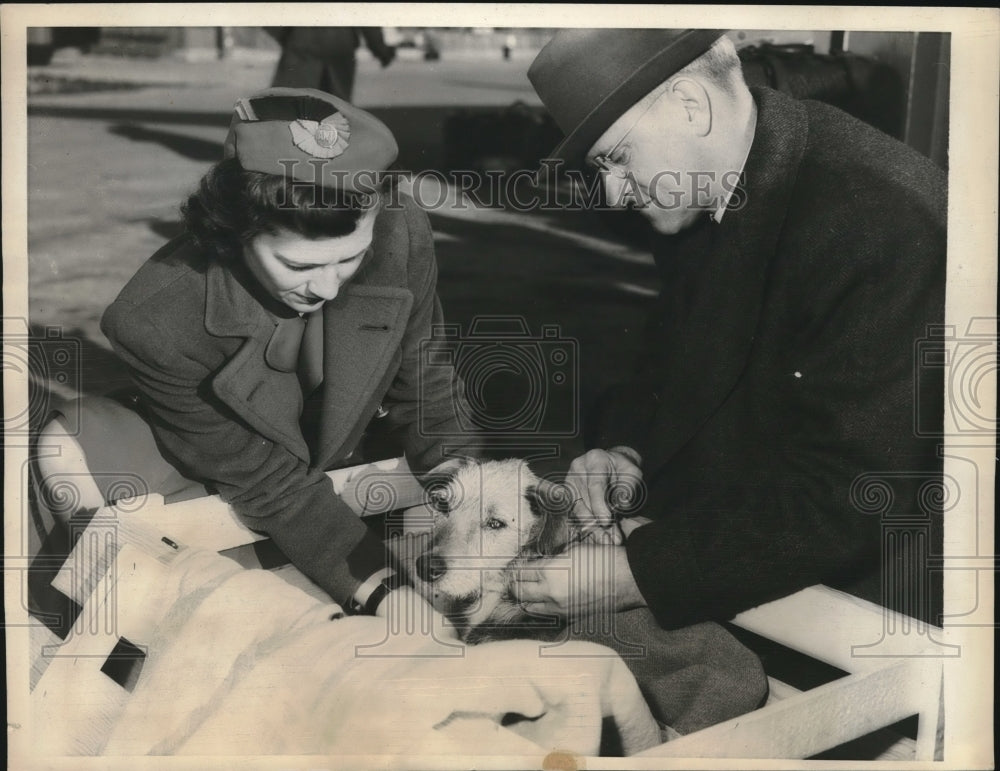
<point x="233" y="205"/>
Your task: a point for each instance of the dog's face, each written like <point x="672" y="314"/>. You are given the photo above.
<point x="485" y="517"/>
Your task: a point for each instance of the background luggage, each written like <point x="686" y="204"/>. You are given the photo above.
<point x="504" y="138"/>
<point x="865" y="88"/>
<point x="519" y="135"/>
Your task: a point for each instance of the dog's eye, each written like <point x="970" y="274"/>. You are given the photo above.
<point x="495" y="524"/>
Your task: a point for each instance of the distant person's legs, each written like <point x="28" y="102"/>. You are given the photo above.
<point x="338" y="76"/>
<point x="318" y="57"/>
<point x="297" y="70"/>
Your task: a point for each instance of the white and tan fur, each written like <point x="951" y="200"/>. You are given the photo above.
<point x="489" y="518"/>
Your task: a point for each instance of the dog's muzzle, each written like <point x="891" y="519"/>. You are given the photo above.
<point x="430" y="568"/>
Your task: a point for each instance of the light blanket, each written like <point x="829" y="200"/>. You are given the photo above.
<point x="242" y="663"/>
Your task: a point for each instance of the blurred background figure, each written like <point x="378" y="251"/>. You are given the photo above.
<point x="224" y="42"/>
<point x="323" y="57"/>
<point x="43" y="42"/>
<point x="509" y="43"/>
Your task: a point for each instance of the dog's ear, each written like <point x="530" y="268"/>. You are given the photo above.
<point x="446" y="469"/>
<point x="437" y="483"/>
<point x="451" y="465"/>
<point x="550" y="504"/>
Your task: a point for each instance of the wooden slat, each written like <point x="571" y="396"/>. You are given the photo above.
<point x="777" y="690"/>
<point x="891" y="746"/>
<point x="109" y="531"/>
<point x="843" y="631"/>
<point x="858" y="636"/>
<point x="814" y="721"/>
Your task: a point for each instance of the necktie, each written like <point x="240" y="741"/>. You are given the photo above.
<point x="310" y="372"/>
<point x="297" y="346"/>
<point x="310" y="364"/>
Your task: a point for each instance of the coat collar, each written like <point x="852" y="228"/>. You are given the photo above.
<point x="715" y="279"/>
<point x="235" y="305"/>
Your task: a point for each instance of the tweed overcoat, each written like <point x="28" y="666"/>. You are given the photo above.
<point x="194" y="334"/>
<point x="785" y="419"/>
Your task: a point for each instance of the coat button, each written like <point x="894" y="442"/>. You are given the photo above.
<point x="381" y="412"/>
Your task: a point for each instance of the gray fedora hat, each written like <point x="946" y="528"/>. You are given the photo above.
<point x="588" y="78"/>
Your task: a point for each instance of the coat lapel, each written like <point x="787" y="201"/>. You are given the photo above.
<point x="268" y="399"/>
<point x="363" y="328"/>
<point x="714" y="282"/>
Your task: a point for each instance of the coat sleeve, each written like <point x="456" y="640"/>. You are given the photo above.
<point x="425" y="402"/>
<point x="271" y="489"/>
<point x="622" y="414"/>
<point x="801" y="499"/>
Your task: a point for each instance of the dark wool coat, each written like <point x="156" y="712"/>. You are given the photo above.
<point x="194" y="334"/>
<point x="778" y="400"/>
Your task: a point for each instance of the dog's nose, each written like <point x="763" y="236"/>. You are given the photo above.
<point x="430" y="568"/>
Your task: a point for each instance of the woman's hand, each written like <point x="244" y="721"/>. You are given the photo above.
<point x="585" y="580"/>
<point x="605" y="483"/>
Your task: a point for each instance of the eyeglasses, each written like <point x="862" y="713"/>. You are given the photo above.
<point x="603" y="162"/>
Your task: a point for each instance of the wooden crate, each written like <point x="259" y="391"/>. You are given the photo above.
<point x="894" y="664"/>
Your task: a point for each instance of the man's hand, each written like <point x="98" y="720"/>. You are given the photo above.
<point x="585" y="580"/>
<point x="605" y="483"/>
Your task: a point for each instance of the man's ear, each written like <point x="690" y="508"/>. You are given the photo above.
<point x="550" y="505"/>
<point x="696" y="103"/>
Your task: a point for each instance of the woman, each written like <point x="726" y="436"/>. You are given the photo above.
<point x="267" y="338"/>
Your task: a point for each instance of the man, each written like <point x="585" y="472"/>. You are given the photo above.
<point x="777" y="391"/>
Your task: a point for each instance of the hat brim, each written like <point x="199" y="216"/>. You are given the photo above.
<point x="681" y="52"/>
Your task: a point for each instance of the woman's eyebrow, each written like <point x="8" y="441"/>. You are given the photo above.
<point x="294" y="264"/>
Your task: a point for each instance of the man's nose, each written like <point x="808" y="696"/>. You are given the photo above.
<point x="625" y="192"/>
<point x="616" y="191"/>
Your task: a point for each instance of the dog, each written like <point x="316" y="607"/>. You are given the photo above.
<point x="487" y="520"/>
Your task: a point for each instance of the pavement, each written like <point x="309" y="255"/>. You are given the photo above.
<point x="458" y="79"/>
<point x="115" y="145"/>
